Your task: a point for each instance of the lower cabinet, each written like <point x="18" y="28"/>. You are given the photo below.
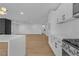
<point x="56" y="45"/>
<point x="17" y="46"/>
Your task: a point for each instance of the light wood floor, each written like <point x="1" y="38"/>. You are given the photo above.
<point x="37" y="45"/>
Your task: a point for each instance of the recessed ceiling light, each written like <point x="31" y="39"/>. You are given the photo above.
<point x="43" y="26"/>
<point x="21" y="13"/>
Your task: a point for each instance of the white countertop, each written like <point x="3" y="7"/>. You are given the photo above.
<point x="64" y="36"/>
<point x="9" y="37"/>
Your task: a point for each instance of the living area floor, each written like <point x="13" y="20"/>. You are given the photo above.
<point x="37" y="45"/>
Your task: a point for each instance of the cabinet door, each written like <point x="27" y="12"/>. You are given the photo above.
<point x="57" y="47"/>
<point x="64" y="12"/>
<point x="7" y="26"/>
<point x="60" y="12"/>
<point x="68" y="9"/>
<point x="17" y="46"/>
<point x="2" y="26"/>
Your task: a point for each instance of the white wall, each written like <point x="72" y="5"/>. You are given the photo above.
<point x="26" y="28"/>
<point x="70" y="29"/>
<point x="30" y="29"/>
<point x="14" y="28"/>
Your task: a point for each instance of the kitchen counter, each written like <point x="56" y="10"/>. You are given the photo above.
<point x="16" y="44"/>
<point x="55" y="42"/>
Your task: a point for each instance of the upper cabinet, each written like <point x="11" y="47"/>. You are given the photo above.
<point x="64" y="12"/>
<point x="5" y="26"/>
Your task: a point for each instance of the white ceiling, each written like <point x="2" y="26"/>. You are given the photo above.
<point x="34" y="13"/>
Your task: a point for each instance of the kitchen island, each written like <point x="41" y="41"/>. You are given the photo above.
<point x="16" y="44"/>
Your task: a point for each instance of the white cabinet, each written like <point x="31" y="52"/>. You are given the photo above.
<point x="64" y="12"/>
<point x="68" y="10"/>
<point x="56" y="45"/>
<point x="17" y="46"/>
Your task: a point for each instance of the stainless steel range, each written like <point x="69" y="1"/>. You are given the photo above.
<point x="70" y="47"/>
